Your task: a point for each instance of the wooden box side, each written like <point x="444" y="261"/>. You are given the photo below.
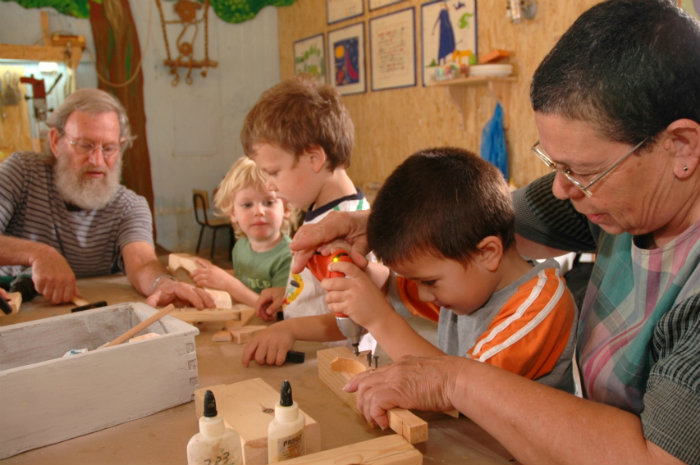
<point x="248" y="407"/>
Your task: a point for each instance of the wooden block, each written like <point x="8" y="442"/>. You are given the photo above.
<point x="222" y="299"/>
<point x="236" y="313"/>
<point x="222" y="336"/>
<point x="243" y="317"/>
<point x="248" y="407"/>
<point x="15" y="301"/>
<point x="243" y="334"/>
<point x="335" y="368"/>
<point x="181" y="260"/>
<point x="385" y="450"/>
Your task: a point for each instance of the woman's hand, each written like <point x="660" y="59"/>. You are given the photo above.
<point x="413" y="383"/>
<point x="350" y="226"/>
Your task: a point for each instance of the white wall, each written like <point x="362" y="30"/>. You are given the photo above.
<point x="193" y="130"/>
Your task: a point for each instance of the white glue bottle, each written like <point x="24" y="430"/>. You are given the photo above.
<point x="285" y="435"/>
<point x="214" y="443"/>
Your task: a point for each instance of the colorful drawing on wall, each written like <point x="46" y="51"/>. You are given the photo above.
<point x="310" y="57"/>
<point x="339" y="10"/>
<point x="692" y="7"/>
<point x="393" y="50"/>
<point x="449" y="36"/>
<point x="346" y="52"/>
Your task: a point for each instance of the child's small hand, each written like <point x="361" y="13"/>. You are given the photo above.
<point x="209" y="275"/>
<point x="354" y="295"/>
<point x="270" y="346"/>
<point x="269" y="303"/>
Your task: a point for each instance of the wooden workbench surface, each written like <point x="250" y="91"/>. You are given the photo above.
<point x="162" y="438"/>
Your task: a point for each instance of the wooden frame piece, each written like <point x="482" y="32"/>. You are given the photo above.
<point x="335" y="368"/>
<point x="385" y="450"/>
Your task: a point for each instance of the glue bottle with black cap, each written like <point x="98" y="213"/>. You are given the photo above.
<point x="214" y="443"/>
<point x="285" y="435"/>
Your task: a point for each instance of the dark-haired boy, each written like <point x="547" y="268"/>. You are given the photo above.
<point x="494" y="305"/>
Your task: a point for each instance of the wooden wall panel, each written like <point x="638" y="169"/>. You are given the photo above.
<point x="392" y="124"/>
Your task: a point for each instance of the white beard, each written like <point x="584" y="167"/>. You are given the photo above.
<point x="88" y="194"/>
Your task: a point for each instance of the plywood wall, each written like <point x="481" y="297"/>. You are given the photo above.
<point x="392" y="124"/>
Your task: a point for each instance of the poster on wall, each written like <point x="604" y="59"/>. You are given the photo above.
<point x="310" y="58"/>
<point x="448" y="31"/>
<point x="393" y="50"/>
<point x="374" y="4"/>
<point x="338" y="10"/>
<point x="346" y="59"/>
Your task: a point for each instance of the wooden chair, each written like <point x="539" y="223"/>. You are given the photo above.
<point x="201" y="215"/>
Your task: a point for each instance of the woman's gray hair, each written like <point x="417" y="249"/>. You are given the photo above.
<point x="91" y="101"/>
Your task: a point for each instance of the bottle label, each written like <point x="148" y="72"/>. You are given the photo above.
<point x="291" y="446"/>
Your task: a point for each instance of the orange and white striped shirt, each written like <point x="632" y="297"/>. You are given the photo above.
<point x="527" y="328"/>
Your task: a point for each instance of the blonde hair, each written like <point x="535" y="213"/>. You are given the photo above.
<point x="243" y="174"/>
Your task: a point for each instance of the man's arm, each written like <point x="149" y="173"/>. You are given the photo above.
<point x="151" y="279"/>
<point x="52" y="275"/>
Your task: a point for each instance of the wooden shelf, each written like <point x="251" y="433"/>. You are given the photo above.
<point x="498" y="86"/>
<point x="472" y="80"/>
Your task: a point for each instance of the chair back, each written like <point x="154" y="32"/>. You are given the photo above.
<point x="201" y="206"/>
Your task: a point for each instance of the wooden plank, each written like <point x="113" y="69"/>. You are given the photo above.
<point x="335" y="368"/>
<point x="248" y="407"/>
<point x="243" y="334"/>
<point x="385" y="450"/>
<point x="192" y="315"/>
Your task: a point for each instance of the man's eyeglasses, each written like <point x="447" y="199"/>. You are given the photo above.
<point x="568" y="174"/>
<point x="87" y="148"/>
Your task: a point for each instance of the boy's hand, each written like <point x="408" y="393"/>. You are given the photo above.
<point x="209" y="275"/>
<point x="270" y="346"/>
<point x="270" y="303"/>
<point x="355" y="295"/>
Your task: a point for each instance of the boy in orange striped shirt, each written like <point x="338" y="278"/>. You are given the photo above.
<point x="444" y="223"/>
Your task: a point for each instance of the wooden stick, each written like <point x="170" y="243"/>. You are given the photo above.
<point x="144" y="324"/>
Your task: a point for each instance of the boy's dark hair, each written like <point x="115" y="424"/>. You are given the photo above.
<point x="441" y="201"/>
<point x="297" y="114"/>
<point x="630" y="67"/>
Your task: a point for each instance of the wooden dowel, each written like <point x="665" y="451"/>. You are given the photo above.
<point x="144" y="324"/>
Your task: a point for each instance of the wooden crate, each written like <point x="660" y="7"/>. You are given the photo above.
<point x="248" y="407"/>
<point x="47" y="398"/>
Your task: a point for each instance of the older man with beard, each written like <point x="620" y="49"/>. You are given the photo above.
<point x="64" y="214"/>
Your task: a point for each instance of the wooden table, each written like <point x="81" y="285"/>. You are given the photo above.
<point x="162" y="438"/>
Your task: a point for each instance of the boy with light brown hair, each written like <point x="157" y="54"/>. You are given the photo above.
<point x="300" y="135"/>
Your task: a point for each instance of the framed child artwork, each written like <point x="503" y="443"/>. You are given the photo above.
<point x="393" y="50"/>
<point x="310" y="57"/>
<point x="346" y="58"/>
<point x="339" y="10"/>
<point x="374" y="4"/>
<point x="448" y="36"/>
